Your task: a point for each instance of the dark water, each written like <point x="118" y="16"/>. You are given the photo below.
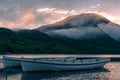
<point x="111" y="71"/>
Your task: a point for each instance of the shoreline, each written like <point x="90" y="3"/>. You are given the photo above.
<point x="62" y="55"/>
<point x="1" y="65"/>
<point x="112" y="60"/>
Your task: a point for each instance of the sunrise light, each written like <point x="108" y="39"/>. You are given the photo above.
<point x="110" y="17"/>
<point x="106" y="15"/>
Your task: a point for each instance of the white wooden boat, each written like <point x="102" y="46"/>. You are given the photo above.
<point x="13" y="61"/>
<point x="58" y="64"/>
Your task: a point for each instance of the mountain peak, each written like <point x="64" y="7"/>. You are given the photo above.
<point x="86" y="19"/>
<point x="82" y="20"/>
<point x="87" y="16"/>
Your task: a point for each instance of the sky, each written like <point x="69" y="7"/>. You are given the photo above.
<point x="29" y="14"/>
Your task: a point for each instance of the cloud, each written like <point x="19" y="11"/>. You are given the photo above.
<point x="113" y="30"/>
<point x="27" y="18"/>
<point x="45" y="9"/>
<point x="56" y="11"/>
<point x="33" y="13"/>
<point x="80" y="33"/>
<point x="18" y="20"/>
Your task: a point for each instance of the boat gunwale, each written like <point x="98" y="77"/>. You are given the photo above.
<point x="15" y="59"/>
<point x="31" y="61"/>
<point x="65" y="64"/>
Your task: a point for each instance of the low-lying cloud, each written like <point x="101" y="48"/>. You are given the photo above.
<point x="80" y="33"/>
<point x="112" y="30"/>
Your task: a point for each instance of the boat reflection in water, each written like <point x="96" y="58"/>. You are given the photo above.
<point x="17" y="74"/>
<point x="65" y="75"/>
<point x="54" y="64"/>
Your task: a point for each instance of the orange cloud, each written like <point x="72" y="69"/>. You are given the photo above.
<point x="54" y="21"/>
<point x="27" y="18"/>
<point x="1" y="24"/>
<point x="10" y="24"/>
<point x="106" y="15"/>
<point x="24" y="21"/>
<point x="7" y="24"/>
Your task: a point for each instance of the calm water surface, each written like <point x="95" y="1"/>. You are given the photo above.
<point x="111" y="71"/>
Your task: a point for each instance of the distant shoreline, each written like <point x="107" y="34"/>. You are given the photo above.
<point x="113" y="57"/>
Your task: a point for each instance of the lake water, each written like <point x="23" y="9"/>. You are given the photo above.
<point x="111" y="71"/>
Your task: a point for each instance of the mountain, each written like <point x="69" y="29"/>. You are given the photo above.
<point x="76" y="21"/>
<point x="27" y="42"/>
<point x="86" y="33"/>
<point x="84" y="26"/>
<point x="78" y="34"/>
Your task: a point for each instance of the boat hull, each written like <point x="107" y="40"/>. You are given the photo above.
<point x="11" y="62"/>
<point x="42" y="66"/>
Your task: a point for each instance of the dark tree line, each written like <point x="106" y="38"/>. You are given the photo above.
<point x="36" y="42"/>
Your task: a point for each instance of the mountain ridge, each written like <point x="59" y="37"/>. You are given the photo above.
<point x="88" y="33"/>
<point x="28" y="42"/>
<point x="80" y="22"/>
<point x="77" y="20"/>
